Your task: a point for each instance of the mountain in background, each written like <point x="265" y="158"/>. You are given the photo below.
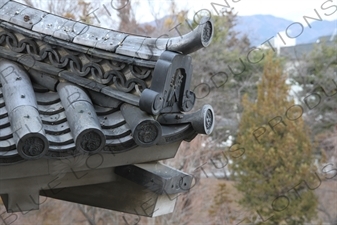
<point x="260" y="28"/>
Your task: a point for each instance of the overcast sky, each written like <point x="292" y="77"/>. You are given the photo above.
<point x="289" y="9"/>
<point x="293" y="10"/>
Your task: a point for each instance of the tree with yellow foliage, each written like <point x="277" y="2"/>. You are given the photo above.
<point x="275" y="174"/>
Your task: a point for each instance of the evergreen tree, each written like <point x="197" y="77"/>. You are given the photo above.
<point x="275" y="173"/>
